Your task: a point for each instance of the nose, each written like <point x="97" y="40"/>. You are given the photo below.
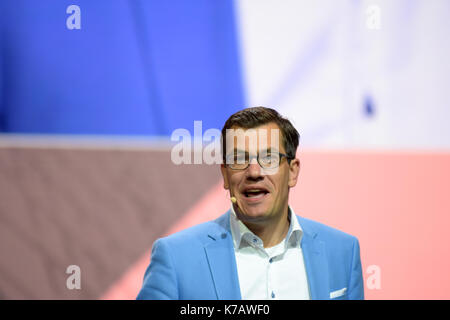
<point x="253" y="171"/>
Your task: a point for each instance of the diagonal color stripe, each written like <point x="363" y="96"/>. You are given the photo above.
<point x="396" y="203"/>
<point x="207" y="208"/>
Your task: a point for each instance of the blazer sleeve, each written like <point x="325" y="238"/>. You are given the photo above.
<point x="160" y="280"/>
<point x="356" y="286"/>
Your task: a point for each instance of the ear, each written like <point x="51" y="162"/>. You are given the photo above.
<point x="223" y="170"/>
<point x="294" y="170"/>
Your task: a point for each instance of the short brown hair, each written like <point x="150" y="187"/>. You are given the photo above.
<point x="257" y="116"/>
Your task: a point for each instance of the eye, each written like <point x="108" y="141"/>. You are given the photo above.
<point x="270" y="159"/>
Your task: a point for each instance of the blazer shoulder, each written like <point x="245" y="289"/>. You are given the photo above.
<point x="198" y="232"/>
<point x="325" y="232"/>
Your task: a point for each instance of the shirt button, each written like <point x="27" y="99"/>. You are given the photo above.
<point x="273" y="295"/>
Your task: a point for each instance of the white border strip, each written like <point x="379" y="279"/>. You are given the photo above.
<point x="108" y="142"/>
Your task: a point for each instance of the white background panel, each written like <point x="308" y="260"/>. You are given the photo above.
<point x="319" y="62"/>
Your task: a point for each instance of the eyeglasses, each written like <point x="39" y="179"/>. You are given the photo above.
<point x="267" y="160"/>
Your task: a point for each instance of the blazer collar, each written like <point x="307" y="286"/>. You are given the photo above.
<point x="219" y="250"/>
<point x="316" y="264"/>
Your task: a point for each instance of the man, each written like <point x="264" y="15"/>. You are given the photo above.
<point x="259" y="249"/>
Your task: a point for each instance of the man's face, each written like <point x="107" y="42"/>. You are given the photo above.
<point x="261" y="194"/>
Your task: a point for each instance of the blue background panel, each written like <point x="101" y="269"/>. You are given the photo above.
<point x="134" y="67"/>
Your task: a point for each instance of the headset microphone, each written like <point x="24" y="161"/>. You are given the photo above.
<point x="234" y="201"/>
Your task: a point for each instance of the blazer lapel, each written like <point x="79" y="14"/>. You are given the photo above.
<point x="316" y="264"/>
<point x="222" y="261"/>
<point x="219" y="252"/>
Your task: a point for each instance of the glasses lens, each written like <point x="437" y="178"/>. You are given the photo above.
<point x="270" y="160"/>
<point x="237" y="161"/>
<point x="266" y="160"/>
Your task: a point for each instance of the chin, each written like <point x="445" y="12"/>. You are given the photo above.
<point x="254" y="213"/>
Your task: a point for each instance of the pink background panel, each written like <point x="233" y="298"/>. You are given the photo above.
<point x="396" y="203"/>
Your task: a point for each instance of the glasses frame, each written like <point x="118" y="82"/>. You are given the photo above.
<point x="250" y="158"/>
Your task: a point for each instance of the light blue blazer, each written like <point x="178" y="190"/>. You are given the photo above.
<point x="199" y="263"/>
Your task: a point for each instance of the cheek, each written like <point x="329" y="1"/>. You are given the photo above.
<point x="234" y="180"/>
<point x="280" y="184"/>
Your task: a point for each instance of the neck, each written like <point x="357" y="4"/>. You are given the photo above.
<point x="272" y="231"/>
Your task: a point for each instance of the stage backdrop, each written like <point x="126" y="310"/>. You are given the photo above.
<point x="91" y="92"/>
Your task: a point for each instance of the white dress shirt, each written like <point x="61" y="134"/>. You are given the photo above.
<point x="270" y="273"/>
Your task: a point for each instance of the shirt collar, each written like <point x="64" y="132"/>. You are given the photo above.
<point x="240" y="231"/>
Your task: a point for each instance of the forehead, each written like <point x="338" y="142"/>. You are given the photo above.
<point x="267" y="136"/>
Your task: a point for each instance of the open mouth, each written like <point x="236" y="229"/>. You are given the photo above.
<point x="254" y="193"/>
